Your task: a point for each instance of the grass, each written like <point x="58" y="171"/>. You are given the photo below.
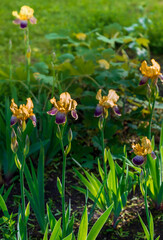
<point x="71" y="16"/>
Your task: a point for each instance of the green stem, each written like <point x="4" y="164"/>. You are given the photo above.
<point x="150" y="120"/>
<point x="101" y="127"/>
<point x="152" y="111"/>
<point x="63" y="182"/>
<point x="103" y="148"/>
<point x="23" y="198"/>
<point x="145" y="199"/>
<point x="28" y="57"/>
<point x="10" y="61"/>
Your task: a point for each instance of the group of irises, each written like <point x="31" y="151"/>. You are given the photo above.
<point x="66" y="104"/>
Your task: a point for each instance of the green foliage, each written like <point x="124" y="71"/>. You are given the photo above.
<point x="149" y="233"/>
<point x="116" y="189"/>
<point x="36" y="190"/>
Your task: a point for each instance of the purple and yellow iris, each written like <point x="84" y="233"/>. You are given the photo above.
<point x="141" y="151"/>
<point x="62" y="107"/>
<point x="25" y="15"/>
<point x="153" y="72"/>
<point x="106" y="102"/>
<point x="22" y="113"/>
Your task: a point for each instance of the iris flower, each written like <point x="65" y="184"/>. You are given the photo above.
<point x="141" y="151"/>
<point x="62" y="107"/>
<point x="81" y="36"/>
<point x="25" y="15"/>
<point x="106" y="102"/>
<point x="22" y="113"/>
<point x="103" y="64"/>
<point x="152" y="72"/>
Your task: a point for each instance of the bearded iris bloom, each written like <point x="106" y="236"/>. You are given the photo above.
<point x="141" y="151"/>
<point x="22" y="113"/>
<point x="62" y="107"/>
<point x="153" y="72"/>
<point x="106" y="102"/>
<point x="25" y="15"/>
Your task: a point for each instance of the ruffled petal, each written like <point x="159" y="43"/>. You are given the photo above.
<point x="13" y="120"/>
<point x="33" y="20"/>
<point x="53" y="111"/>
<point x="98" y="95"/>
<point x="116" y="110"/>
<point x="17" y="21"/>
<point x="74" y="114"/>
<point x="33" y="118"/>
<point x="153" y="155"/>
<point x="60" y="118"/>
<point x="143" y="81"/>
<point x="23" y="23"/>
<point x="138" y="160"/>
<point x="98" y="111"/>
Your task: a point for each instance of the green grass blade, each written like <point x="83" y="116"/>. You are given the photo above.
<point x="56" y="231"/>
<point x="151" y="227"/>
<point x="46" y="233"/>
<point x="69" y="237"/>
<point x="144" y="228"/>
<point x="4" y="207"/>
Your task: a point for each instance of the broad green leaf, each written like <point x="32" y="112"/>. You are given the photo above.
<point x="83" y="229"/>
<point x="99" y="224"/>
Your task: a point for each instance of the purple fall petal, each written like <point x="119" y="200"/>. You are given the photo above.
<point x="23" y="24"/>
<point x="74" y="114"/>
<point x="17" y="21"/>
<point x="98" y="111"/>
<point x="33" y="20"/>
<point x="153" y="155"/>
<point x="138" y="160"/>
<point x="13" y="121"/>
<point x="53" y="111"/>
<point x="60" y="118"/>
<point x="33" y="118"/>
<point x="116" y="110"/>
<point x="143" y="81"/>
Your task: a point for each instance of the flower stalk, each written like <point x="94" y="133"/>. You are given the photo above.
<point x="61" y="133"/>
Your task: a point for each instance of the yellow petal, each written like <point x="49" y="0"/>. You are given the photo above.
<point x="112" y="95"/>
<point x="98" y="95"/>
<point x="15" y="14"/>
<point x="29" y="104"/>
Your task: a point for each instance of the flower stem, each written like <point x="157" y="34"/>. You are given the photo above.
<point x="63" y="182"/>
<point x="145" y="198"/>
<point x="27" y="55"/>
<point x="150" y="120"/>
<point x="152" y="112"/>
<point x="103" y="148"/>
<point x="101" y="127"/>
<point x="23" y="197"/>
